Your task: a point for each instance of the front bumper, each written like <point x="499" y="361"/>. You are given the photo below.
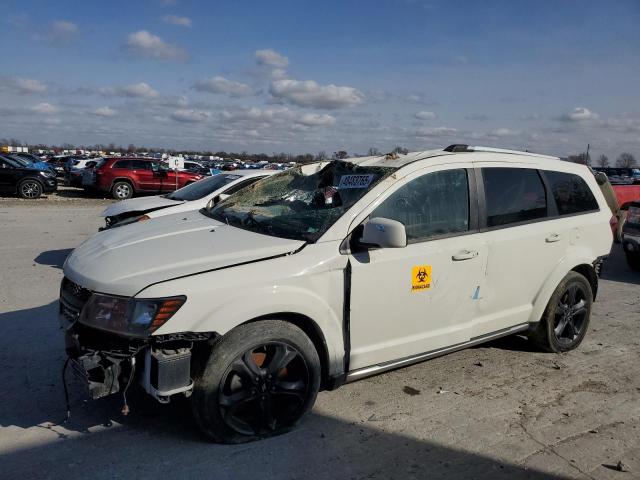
<point x="50" y="184"/>
<point x="107" y="363"/>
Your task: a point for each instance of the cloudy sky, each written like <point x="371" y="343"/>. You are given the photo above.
<point x="297" y="76"/>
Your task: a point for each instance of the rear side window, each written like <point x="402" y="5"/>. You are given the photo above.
<point x="571" y="193"/>
<point x="513" y="195"/>
<point x="431" y="205"/>
<point x="139" y="165"/>
<point x="122" y="164"/>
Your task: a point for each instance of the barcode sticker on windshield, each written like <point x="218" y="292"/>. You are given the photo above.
<point x="355" y="181"/>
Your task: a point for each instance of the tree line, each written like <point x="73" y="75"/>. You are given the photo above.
<point x="624" y="160"/>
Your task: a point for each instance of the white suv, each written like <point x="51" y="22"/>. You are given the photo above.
<point x="333" y="271"/>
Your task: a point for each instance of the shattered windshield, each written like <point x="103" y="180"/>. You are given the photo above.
<point x="197" y="190"/>
<point x="301" y="203"/>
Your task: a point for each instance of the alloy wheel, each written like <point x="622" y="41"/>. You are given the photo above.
<point x="30" y="189"/>
<point x="570" y="315"/>
<point x="264" y="389"/>
<point x="123" y="190"/>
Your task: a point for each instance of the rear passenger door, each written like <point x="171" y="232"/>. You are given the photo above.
<point x="145" y="177"/>
<point x="525" y="240"/>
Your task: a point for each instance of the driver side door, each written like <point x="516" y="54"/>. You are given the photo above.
<point x="420" y="298"/>
<point x="7" y="177"/>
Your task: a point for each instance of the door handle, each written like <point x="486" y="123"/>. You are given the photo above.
<point x="554" y="237"/>
<point x="464" y="255"/>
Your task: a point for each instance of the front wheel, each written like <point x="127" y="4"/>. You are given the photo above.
<point x="565" y="320"/>
<point x="30" y="189"/>
<point x="259" y="380"/>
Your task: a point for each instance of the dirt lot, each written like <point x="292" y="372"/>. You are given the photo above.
<point x="502" y="410"/>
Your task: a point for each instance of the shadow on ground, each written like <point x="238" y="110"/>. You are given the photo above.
<point x="53" y="258"/>
<point x="163" y="440"/>
<point x="616" y="269"/>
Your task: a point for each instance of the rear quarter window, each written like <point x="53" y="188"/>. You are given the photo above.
<point x="571" y="193"/>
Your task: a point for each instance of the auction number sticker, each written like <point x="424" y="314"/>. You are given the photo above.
<point x="420" y="278"/>
<point x="355" y="181"/>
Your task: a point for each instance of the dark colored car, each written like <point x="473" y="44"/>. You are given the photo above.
<point x="32" y="161"/>
<point x="27" y="182"/>
<point x="631" y="235"/>
<point x="126" y="177"/>
<point x="58" y="164"/>
<point x="621" y="175"/>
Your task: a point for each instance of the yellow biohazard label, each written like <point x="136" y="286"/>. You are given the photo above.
<point x="421" y="278"/>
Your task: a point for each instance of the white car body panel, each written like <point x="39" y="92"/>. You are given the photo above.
<point x="123" y="261"/>
<point x="231" y="276"/>
<point x="160" y="205"/>
<point x="138" y="204"/>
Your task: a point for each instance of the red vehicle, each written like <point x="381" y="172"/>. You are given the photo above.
<point x="126" y="177"/>
<point x="625" y="194"/>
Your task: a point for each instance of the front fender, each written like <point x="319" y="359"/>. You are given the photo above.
<point x="309" y="283"/>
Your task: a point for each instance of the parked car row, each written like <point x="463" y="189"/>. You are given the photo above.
<point x="352" y="267"/>
<point x="16" y="177"/>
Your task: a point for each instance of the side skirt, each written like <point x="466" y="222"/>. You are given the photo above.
<point x="393" y="364"/>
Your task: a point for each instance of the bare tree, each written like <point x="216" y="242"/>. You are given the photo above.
<point x="603" y="161"/>
<point x="400" y="150"/>
<point x="581" y="158"/>
<point x="626" y="160"/>
<point x="322" y="155"/>
<point x="340" y="155"/>
<point x="372" y="152"/>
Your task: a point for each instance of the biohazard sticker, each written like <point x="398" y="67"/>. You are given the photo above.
<point x="420" y="278"/>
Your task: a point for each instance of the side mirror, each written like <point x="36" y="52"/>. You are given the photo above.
<point x="384" y="233"/>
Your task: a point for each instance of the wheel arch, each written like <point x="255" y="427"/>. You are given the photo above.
<point x="123" y="179"/>
<point x="27" y="178"/>
<point x="311" y="330"/>
<point x="582" y="263"/>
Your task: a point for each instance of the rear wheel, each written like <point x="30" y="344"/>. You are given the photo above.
<point x="258" y="381"/>
<point x="30" y="189"/>
<point x="565" y="320"/>
<point x="122" y="190"/>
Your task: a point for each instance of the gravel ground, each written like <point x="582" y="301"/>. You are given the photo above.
<point x="501" y="410"/>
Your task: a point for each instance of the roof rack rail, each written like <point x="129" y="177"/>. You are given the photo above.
<point x="457" y="147"/>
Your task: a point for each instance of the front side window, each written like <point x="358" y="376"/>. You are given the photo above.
<point x="571" y="193"/>
<point x="431" y="205"/>
<point x="241" y="185"/>
<point x="300" y="203"/>
<point x="513" y="195"/>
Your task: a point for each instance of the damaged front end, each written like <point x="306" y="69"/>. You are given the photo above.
<point x="108" y="362"/>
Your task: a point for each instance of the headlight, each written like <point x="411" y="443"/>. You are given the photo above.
<point x="131" y="316"/>
<point x="46" y="174"/>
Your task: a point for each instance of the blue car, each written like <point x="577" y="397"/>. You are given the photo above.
<point x="31" y="161"/>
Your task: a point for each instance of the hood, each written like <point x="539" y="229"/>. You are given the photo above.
<point x="140" y="204"/>
<point x="125" y="260"/>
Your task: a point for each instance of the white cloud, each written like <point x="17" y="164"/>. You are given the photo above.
<point x="177" y="20"/>
<point x="59" y="33"/>
<point x="580" y="114"/>
<point x="256" y="115"/>
<point x="309" y="94"/>
<point x="436" y="132"/>
<point x="148" y="45"/>
<point x="425" y="115"/>
<point x="503" y="132"/>
<point x="316" y="120"/>
<point x="141" y="89"/>
<point x="44" y="108"/>
<point x="190" y="116"/>
<point x="104" y="112"/>
<point x="271" y="58"/>
<point x="222" y="85"/>
<point x="23" y="86"/>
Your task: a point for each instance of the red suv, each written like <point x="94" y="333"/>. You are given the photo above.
<point x="125" y="177"/>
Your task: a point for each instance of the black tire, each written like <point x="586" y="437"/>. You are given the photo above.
<point x="30" y="188"/>
<point x="565" y="321"/>
<point x="258" y="381"/>
<point x="633" y="260"/>
<point x="122" y="190"/>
